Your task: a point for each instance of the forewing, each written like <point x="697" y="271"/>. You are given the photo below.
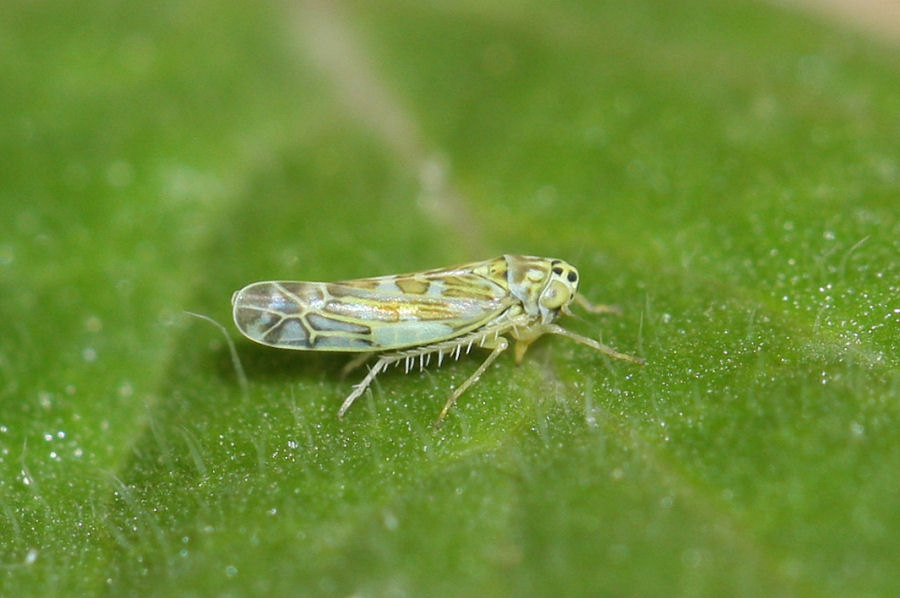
<point x="370" y="314"/>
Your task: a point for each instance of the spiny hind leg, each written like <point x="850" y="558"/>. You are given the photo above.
<point x="499" y="345"/>
<point x="355" y="363"/>
<point x="358" y="389"/>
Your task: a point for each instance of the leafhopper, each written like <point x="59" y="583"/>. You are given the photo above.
<point x="410" y="318"/>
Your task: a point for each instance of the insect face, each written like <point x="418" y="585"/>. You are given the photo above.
<point x="562" y="284"/>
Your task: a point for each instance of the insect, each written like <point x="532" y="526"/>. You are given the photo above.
<point x="412" y="317"/>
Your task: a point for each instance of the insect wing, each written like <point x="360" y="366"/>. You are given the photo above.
<point x="283" y="314"/>
<point x="371" y="314"/>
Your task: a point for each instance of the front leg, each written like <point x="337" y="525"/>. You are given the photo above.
<point x="589" y="307"/>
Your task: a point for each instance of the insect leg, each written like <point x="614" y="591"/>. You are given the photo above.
<point x="358" y="389"/>
<point x="589" y="342"/>
<point x="354" y="363"/>
<point x="499" y="345"/>
<point x="582" y="301"/>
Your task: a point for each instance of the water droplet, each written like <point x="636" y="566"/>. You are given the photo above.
<point x="31" y="557"/>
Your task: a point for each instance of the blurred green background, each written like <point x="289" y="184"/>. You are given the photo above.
<point x="727" y="172"/>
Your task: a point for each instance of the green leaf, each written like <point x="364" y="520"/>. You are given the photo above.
<point x="728" y="173"/>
